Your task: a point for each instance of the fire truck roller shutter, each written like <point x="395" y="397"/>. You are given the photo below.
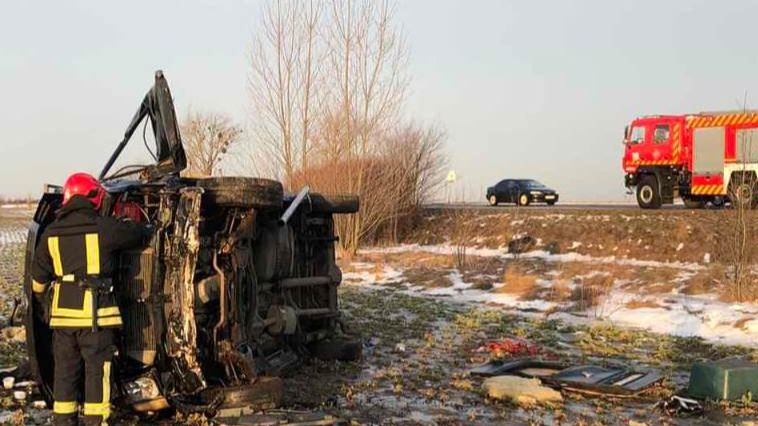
<point x="747" y="146"/>
<point x="708" y="151"/>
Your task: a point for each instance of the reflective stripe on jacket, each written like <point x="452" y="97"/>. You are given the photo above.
<point x="80" y="246"/>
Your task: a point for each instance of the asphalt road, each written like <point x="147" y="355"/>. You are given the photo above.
<point x="559" y="206"/>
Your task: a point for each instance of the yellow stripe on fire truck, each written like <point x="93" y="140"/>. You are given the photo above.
<point x="707" y="190"/>
<point x="651" y="163"/>
<point x="675" y="143"/>
<point x="722" y="120"/>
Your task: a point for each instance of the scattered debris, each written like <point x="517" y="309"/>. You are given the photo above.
<point x="7" y="417"/>
<point x="607" y="381"/>
<point x="585" y="378"/>
<point x="14" y="334"/>
<point x="553" y="248"/>
<point x="526" y="368"/>
<point x="282" y="418"/>
<point x="727" y="379"/>
<point x="679" y="406"/>
<point x="522" y="245"/>
<point x="510" y="346"/>
<point x="520" y="390"/>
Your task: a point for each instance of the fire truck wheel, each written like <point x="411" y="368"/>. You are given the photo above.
<point x="493" y="200"/>
<point x="647" y="193"/>
<point x="523" y="200"/>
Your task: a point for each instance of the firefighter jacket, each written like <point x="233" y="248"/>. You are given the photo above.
<point x="76" y="252"/>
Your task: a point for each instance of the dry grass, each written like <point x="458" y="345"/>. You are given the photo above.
<point x="740" y="323"/>
<point x="559" y="292"/>
<point x="642" y="304"/>
<point x="518" y="281"/>
<point x="427" y="277"/>
<point x="591" y="291"/>
<point x="635" y="234"/>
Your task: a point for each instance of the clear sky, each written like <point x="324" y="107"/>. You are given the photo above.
<point x="539" y="89"/>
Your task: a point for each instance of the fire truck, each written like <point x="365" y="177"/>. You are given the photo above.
<point x="705" y="158"/>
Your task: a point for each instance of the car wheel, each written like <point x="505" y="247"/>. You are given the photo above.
<point x="551" y="203"/>
<point x="333" y="203"/>
<point x="493" y="200"/>
<point x="647" y="193"/>
<point x="265" y="393"/>
<point x="242" y="192"/>
<point x="337" y="349"/>
<point x="523" y="200"/>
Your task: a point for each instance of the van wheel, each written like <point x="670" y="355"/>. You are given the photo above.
<point x="242" y="192"/>
<point x="648" y="196"/>
<point x="493" y="200"/>
<point x="333" y="203"/>
<point x="523" y="200"/>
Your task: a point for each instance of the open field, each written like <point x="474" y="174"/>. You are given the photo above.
<point x="615" y="289"/>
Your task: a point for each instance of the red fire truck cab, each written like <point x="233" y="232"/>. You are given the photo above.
<point x="700" y="158"/>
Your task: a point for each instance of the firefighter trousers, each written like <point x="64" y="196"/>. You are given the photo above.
<point x="82" y="355"/>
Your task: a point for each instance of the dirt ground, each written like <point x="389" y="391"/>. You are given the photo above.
<point x="418" y="348"/>
<point x="661" y="235"/>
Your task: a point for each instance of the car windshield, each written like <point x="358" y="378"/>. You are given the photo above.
<point x="530" y="183"/>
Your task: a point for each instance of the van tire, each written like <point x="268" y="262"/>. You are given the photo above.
<point x="242" y="192"/>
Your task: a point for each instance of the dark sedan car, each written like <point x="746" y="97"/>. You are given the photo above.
<point x="522" y="192"/>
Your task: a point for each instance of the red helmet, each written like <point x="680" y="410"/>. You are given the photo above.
<point x="83" y="184"/>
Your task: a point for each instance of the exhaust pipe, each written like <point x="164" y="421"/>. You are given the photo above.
<point x="294" y="205"/>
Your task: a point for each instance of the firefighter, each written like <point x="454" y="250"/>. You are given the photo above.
<point x="72" y="265"/>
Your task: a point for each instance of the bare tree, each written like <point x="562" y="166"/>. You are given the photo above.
<point x="207" y="137"/>
<point x="367" y="57"/>
<point x="285" y="62"/>
<point x="328" y="80"/>
<point x="418" y="160"/>
<point x="741" y="232"/>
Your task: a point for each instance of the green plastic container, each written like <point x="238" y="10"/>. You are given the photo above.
<point x="728" y="379"/>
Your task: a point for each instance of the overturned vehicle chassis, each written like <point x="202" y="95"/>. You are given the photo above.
<point x="238" y="283"/>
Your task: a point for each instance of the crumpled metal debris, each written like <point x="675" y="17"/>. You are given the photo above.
<point x="680" y="406"/>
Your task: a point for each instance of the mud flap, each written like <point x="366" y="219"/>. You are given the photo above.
<point x="181" y="258"/>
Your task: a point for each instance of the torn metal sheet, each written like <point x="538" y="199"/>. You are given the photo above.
<point x="181" y="252"/>
<point x="525" y="368"/>
<point x="584" y="378"/>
